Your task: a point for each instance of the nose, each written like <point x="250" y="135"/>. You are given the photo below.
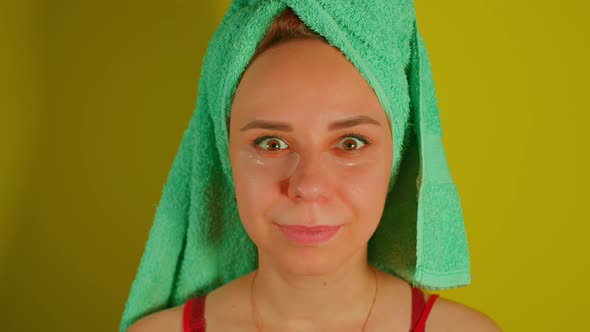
<point x="310" y="180"/>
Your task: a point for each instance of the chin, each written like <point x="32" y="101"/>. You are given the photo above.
<point x="307" y="261"/>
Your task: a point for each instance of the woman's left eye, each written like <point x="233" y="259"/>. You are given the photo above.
<point x="352" y="143"/>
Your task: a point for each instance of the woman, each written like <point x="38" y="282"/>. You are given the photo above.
<point x="312" y="149"/>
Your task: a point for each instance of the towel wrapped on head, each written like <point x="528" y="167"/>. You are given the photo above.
<point x="197" y="242"/>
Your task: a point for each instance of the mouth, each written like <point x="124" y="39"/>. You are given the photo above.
<point x="301" y="234"/>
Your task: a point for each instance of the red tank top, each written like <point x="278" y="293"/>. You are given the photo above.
<point x="194" y="312"/>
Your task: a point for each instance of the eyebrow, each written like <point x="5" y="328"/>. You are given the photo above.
<point x="281" y="126"/>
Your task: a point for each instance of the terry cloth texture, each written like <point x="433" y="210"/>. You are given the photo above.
<point x="197" y="242"/>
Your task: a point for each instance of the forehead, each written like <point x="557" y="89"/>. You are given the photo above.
<point x="303" y="79"/>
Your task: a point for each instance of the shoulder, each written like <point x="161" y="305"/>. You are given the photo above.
<point x="445" y="315"/>
<point x="165" y="320"/>
<point x="226" y="307"/>
<point x="448" y="315"/>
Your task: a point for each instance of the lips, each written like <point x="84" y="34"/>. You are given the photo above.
<point x="300" y="234"/>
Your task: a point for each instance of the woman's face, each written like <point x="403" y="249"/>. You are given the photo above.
<point x="310" y="145"/>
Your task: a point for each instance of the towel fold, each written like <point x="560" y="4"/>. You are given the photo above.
<point x="197" y="242"/>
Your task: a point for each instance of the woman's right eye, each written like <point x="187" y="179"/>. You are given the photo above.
<point x="271" y="143"/>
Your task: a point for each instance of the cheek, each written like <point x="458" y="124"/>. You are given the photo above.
<point x="253" y="198"/>
<point x="368" y="198"/>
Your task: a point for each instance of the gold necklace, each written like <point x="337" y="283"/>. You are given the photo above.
<point x="258" y="319"/>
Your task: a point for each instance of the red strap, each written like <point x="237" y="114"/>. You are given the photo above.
<point x="185" y="315"/>
<point x="418" y="305"/>
<point x="422" y="322"/>
<point x="194" y="315"/>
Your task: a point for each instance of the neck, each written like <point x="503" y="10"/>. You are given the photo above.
<point x="286" y="298"/>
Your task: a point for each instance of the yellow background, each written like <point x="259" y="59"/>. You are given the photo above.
<point x="95" y="97"/>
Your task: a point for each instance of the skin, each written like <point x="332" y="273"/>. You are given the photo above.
<point x="308" y="85"/>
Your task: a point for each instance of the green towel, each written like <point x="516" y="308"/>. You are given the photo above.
<point x="197" y="242"/>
